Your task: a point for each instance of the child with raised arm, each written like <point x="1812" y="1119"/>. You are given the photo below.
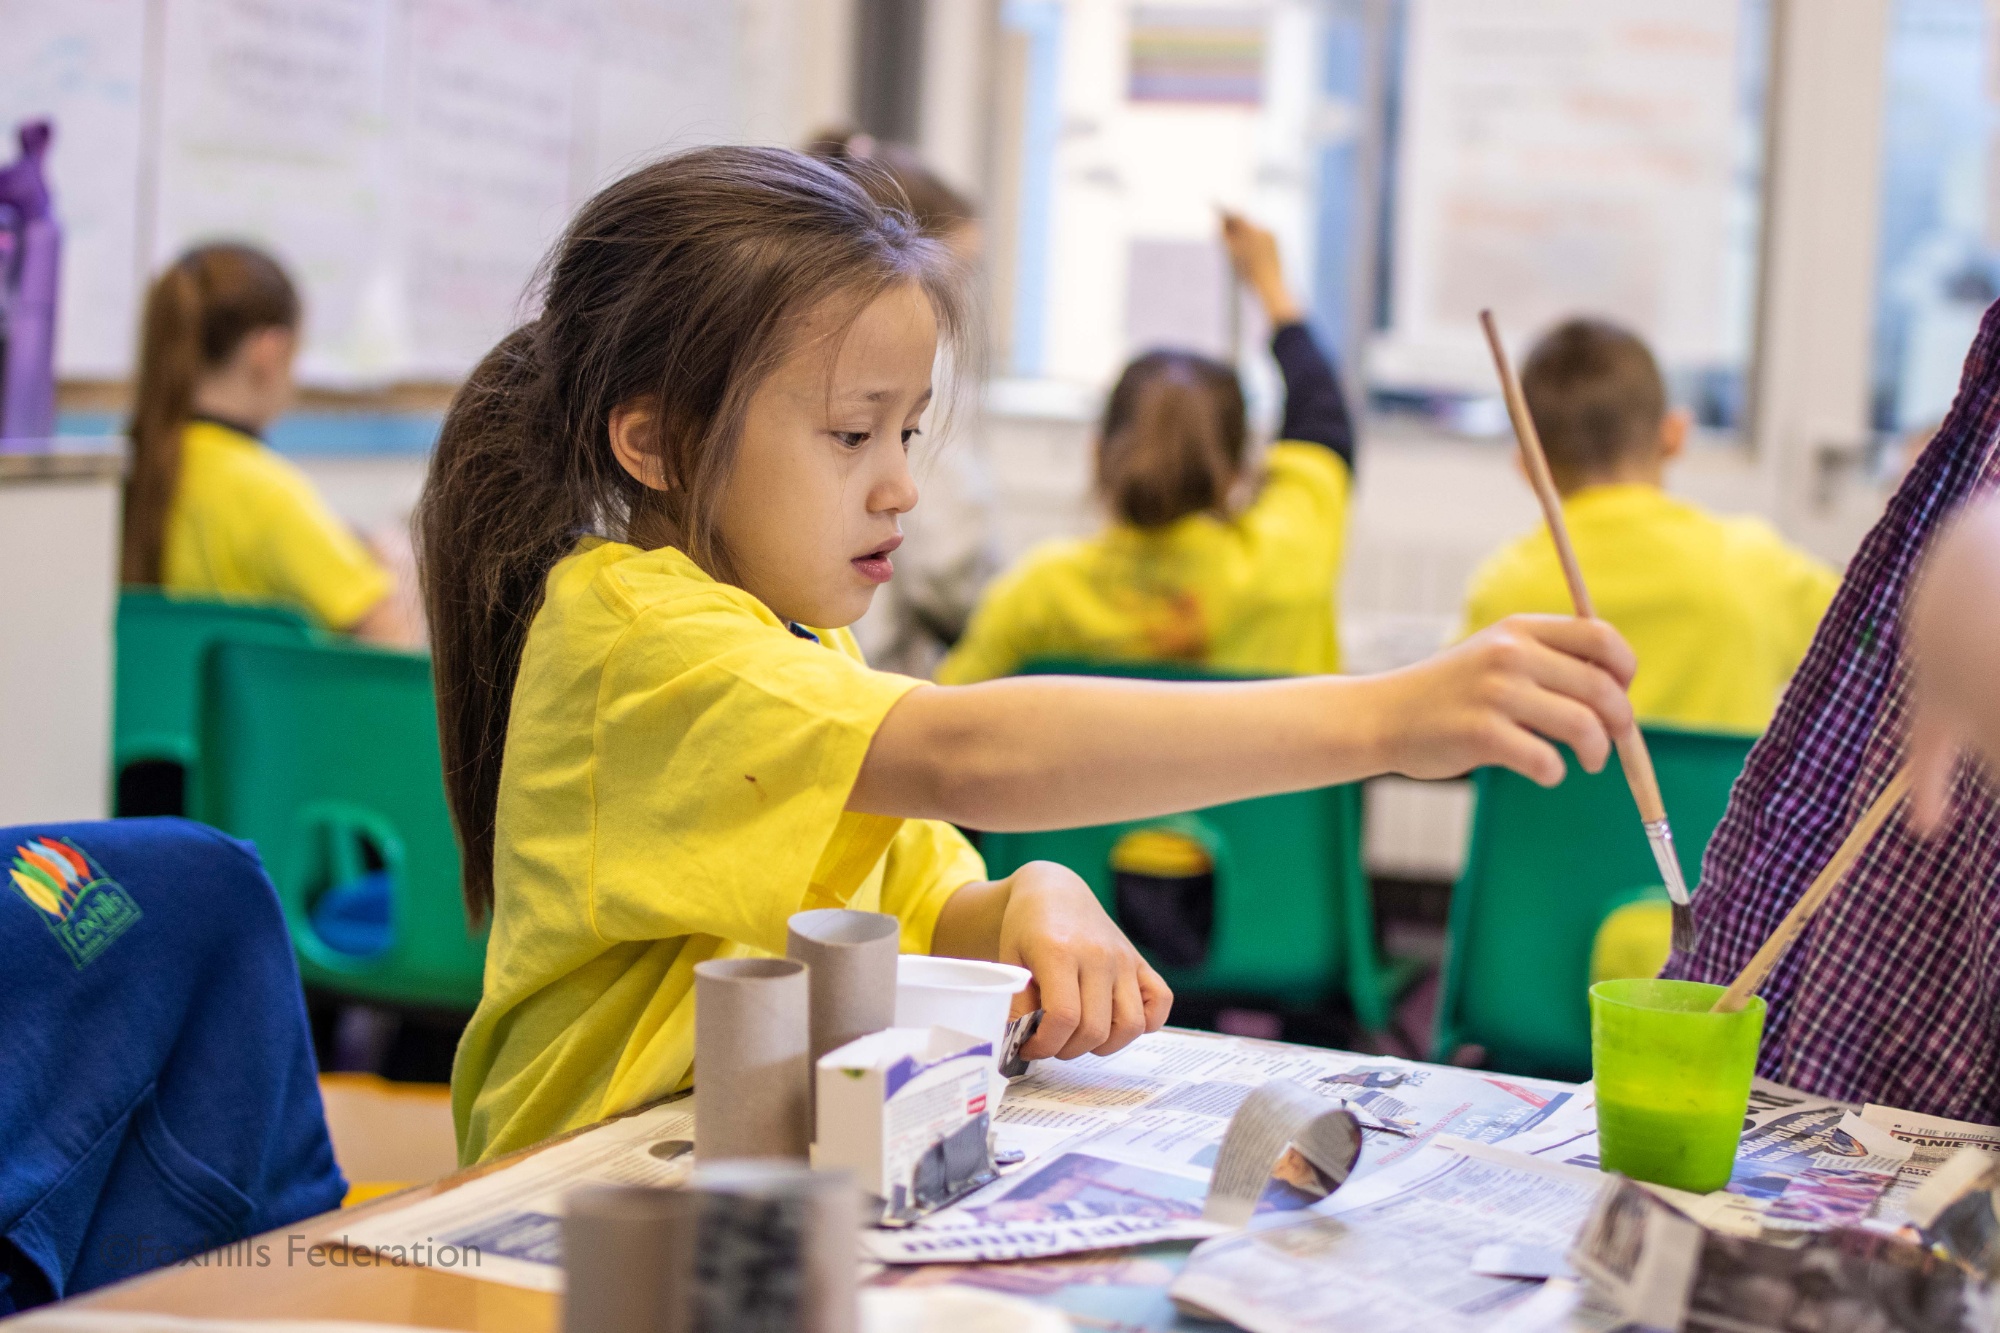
<point x="1208" y="560"/>
<point x="651" y="514"/>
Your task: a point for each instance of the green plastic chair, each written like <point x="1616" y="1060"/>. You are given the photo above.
<point x="1544" y="868"/>
<point x="1294" y="923"/>
<point x="160" y="644"/>
<point x="326" y="756"/>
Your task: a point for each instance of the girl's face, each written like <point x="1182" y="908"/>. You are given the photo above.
<point x="810" y="513"/>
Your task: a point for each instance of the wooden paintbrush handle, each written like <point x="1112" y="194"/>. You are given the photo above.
<point x="1637" y="761"/>
<point x="1850" y="849"/>
<point x="1539" y="477"/>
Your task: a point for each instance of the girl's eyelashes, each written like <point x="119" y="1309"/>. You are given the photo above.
<point x="852" y="439"/>
<point x="909" y="435"/>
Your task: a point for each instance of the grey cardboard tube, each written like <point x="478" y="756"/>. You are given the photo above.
<point x="628" y="1260"/>
<point x="851" y="972"/>
<point x="778" y="1249"/>
<point x="751" y="1071"/>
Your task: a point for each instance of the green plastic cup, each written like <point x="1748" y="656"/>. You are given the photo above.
<point x="1673" y="1080"/>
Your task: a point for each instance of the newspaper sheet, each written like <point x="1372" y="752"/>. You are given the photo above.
<point x="1120" y="1150"/>
<point x="507" y="1226"/>
<point x="1932" y="1140"/>
<point x="1805" y="1162"/>
<point x="1659" y="1268"/>
<point x="1397" y="1251"/>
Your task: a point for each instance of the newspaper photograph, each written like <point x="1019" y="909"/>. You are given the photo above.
<point x="1805" y="1162"/>
<point x="506" y="1226"/>
<point x="1397" y="1251"/>
<point x="1125" y="1146"/>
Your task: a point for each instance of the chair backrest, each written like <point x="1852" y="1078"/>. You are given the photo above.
<point x="326" y="756"/>
<point x="160" y="644"/>
<point x="1293" y="921"/>
<point x="1544" y="867"/>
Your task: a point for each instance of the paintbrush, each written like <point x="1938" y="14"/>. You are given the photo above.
<point x="1850" y="849"/>
<point x="1633" y="756"/>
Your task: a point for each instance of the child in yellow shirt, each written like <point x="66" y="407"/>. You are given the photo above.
<point x="651" y="514"/>
<point x="1193" y="569"/>
<point x="1720" y="610"/>
<point x="209" y="510"/>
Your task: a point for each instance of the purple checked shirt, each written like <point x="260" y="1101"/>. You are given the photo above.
<point x="1893" y="992"/>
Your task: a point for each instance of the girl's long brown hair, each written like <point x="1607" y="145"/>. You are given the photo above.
<point x="681" y="285"/>
<point x="197" y="314"/>
<point x="1171" y="443"/>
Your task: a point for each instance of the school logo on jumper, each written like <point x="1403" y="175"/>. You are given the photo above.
<point x="84" y="908"/>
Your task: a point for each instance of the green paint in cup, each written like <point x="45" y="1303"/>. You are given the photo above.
<point x="1673" y="1080"/>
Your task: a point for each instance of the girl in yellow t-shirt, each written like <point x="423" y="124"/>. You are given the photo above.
<point x="651" y="514"/>
<point x="209" y="510"/>
<point x="1206" y="560"/>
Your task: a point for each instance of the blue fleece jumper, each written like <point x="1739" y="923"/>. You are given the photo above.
<point x="158" y="1095"/>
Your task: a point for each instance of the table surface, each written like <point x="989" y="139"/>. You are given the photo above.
<point x="287" y="1274"/>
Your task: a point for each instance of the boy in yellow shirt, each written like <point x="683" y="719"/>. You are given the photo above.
<point x="1719" y="610"/>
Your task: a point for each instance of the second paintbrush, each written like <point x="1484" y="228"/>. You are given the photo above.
<point x="1633" y="756"/>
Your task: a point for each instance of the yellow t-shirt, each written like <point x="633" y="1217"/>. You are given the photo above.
<point x="1253" y="593"/>
<point x="246" y="524"/>
<point x="674" y="787"/>
<point x="1719" y="610"/>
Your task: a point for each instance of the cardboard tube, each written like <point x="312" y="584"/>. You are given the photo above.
<point x="850" y="960"/>
<point x="778" y="1248"/>
<point x="628" y="1259"/>
<point x="750" y="1067"/>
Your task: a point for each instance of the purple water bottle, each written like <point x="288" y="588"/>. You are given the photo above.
<point x="30" y="255"/>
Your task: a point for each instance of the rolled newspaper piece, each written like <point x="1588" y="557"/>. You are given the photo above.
<point x="778" y="1251"/>
<point x="628" y="1259"/>
<point x="750" y="1063"/>
<point x="1282" y="1131"/>
<point x="850" y="960"/>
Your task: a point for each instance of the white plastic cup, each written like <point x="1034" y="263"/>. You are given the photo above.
<point x="962" y="994"/>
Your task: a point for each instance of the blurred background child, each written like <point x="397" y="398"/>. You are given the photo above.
<point x="1209" y="560"/>
<point x="1720" y="610"/>
<point x="209" y="509"/>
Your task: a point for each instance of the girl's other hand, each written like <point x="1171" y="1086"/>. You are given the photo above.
<point x="1095" y="992"/>
<point x="1494" y="698"/>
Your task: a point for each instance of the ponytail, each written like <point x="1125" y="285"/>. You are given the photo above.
<point x="1171" y="443"/>
<point x="495" y="515"/>
<point x="680" y="286"/>
<point x="197" y="314"/>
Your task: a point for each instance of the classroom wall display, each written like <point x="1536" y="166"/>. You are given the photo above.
<point x="1156" y="114"/>
<point x="409" y="160"/>
<point x="1569" y="156"/>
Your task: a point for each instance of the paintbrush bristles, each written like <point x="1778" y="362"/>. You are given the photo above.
<point x="1850" y="849"/>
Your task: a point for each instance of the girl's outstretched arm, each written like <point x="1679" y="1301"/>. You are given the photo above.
<point x="1037" y="752"/>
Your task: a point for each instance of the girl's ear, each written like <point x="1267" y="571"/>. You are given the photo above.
<point x="635" y="441"/>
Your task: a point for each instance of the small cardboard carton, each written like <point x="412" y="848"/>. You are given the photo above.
<point x="905" y="1112"/>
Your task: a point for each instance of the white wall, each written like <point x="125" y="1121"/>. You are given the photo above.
<point x="58" y="546"/>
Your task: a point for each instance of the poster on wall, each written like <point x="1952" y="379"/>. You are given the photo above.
<point x="487" y="136"/>
<point x="274" y="129"/>
<point x="1561" y="157"/>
